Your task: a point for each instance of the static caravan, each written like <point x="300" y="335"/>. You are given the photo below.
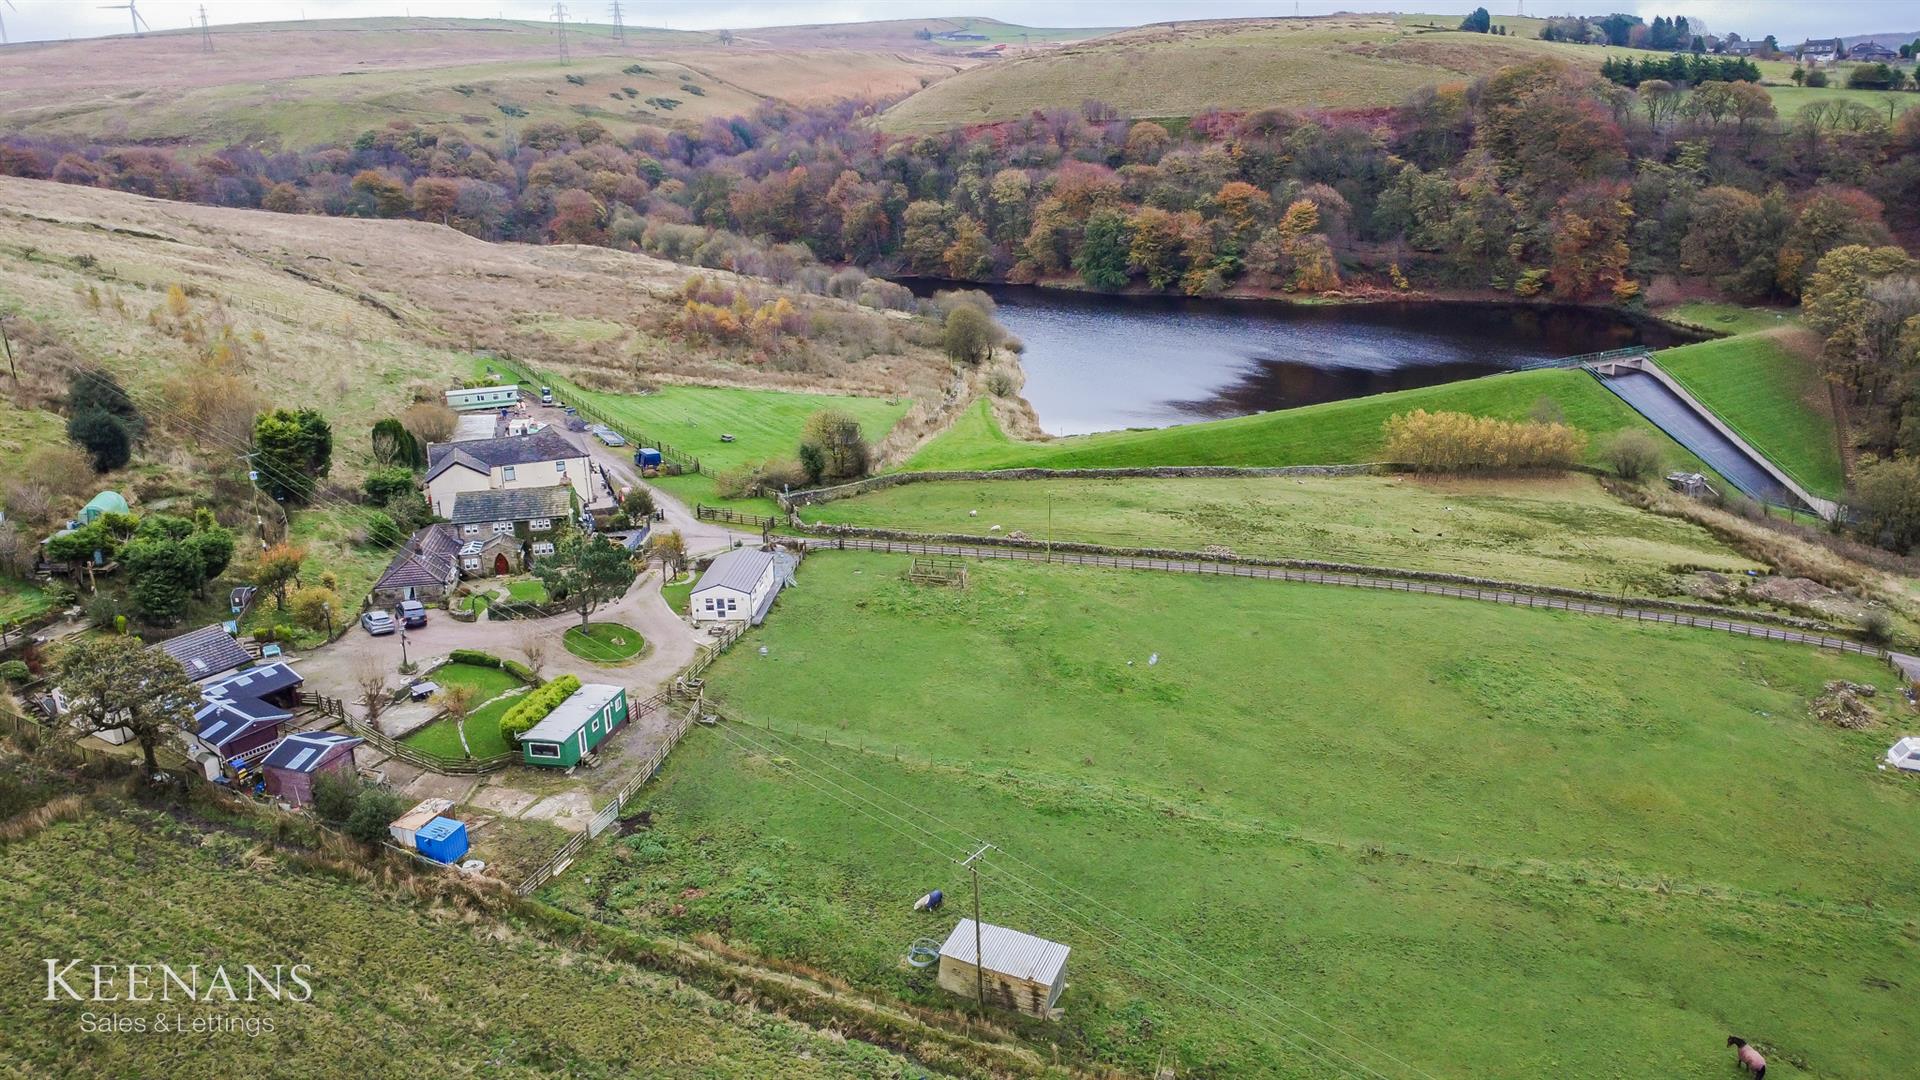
<point x="575" y="726"/>
<point x="483" y="397"/>
<point x="1022" y="972"/>
<point x="738" y="586"/>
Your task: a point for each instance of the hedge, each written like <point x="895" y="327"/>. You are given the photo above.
<point x="534" y="707"/>
<point x="485" y="659"/>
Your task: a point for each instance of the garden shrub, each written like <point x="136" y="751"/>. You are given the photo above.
<point x="534" y="707"/>
<point x="474" y="656"/>
<point x="16" y="672"/>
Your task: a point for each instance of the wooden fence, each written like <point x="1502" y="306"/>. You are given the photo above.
<point x="765" y="524"/>
<point x="1314" y="577"/>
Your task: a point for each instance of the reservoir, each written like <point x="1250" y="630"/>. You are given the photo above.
<point x="1098" y="362"/>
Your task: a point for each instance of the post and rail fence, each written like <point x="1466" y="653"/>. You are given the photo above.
<point x="529" y="374"/>
<point x="765" y="523"/>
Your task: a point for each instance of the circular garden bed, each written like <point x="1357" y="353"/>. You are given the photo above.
<point x="604" y="642"/>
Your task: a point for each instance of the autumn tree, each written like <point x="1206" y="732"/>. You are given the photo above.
<point x="669" y="549"/>
<point x="279" y="568"/>
<point x="114" y="682"/>
<point x="832" y="446"/>
<point x="430" y="422"/>
<point x="1828" y="219"/>
<point x="434" y="199"/>
<point x="968" y="335"/>
<point x="1589" y="232"/>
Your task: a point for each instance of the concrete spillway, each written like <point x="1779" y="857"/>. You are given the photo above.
<point x="1654" y="395"/>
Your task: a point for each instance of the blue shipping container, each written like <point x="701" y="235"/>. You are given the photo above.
<point x="647" y="458"/>
<point x="442" y="840"/>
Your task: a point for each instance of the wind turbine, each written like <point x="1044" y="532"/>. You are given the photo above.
<point x="3" y="20"/>
<point x="132" y="11"/>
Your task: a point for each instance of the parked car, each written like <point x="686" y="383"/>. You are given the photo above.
<point x="377" y="623"/>
<point x="412" y="613"/>
<point x="546" y="395"/>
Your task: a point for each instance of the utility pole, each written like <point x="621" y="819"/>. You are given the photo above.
<point x="560" y="29"/>
<point x="206" y="31"/>
<point x="5" y="341"/>
<point x="619" y="27"/>
<point x="979" y="962"/>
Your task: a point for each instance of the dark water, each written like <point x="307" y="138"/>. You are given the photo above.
<point x="1096" y="363"/>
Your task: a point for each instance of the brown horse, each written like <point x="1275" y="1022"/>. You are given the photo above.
<point x="1747" y="1057"/>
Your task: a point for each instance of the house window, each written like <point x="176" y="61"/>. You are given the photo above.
<point x="541" y="524"/>
<point x="542" y="749"/>
<point x="469" y="530"/>
<point x="732" y="604"/>
<point x="595" y="726"/>
<point x="502" y="528"/>
<point x="543" y="547"/>
<point x="709" y="603"/>
<point x="469" y="564"/>
<point x="507" y="474"/>
<point x="559" y="466"/>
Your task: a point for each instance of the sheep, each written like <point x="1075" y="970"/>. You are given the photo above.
<point x="993" y="528"/>
<point x="973" y="513"/>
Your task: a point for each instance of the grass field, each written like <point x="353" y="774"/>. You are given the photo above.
<point x="1504" y="837"/>
<point x="1773" y="396"/>
<point x="604" y="642"/>
<point x="1789" y="100"/>
<point x="678" y="594"/>
<point x="765" y="424"/>
<point x="1337" y="432"/>
<point x="393" y="984"/>
<point x="1729" y="318"/>
<point x="442" y="738"/>
<point x="1552" y="531"/>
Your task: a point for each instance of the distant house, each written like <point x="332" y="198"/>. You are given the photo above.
<point x="531" y="515"/>
<point x="1017" y="971"/>
<point x="1744" y="48"/>
<point x="483" y="397"/>
<point x="292" y="766"/>
<point x="1820" y="53"/>
<point x="426" y="568"/>
<point x="107" y="502"/>
<point x="575" y="726"/>
<point x="241" y="714"/>
<point x="541" y="459"/>
<point x="1871" y="52"/>
<point x="738" y="586"/>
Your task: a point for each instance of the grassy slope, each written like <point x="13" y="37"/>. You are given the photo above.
<point x="1772" y="396"/>
<point x="1789" y="100"/>
<point x="1722" y="318"/>
<point x="1508" y="837"/>
<point x="392" y="984"/>
<point x="1558" y="531"/>
<point x="23" y="431"/>
<point x="1341" y="431"/>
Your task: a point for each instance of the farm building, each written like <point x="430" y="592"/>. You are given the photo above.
<point x="407" y="825"/>
<point x="1023" y="973"/>
<point x="738" y="586"/>
<point x="300" y="758"/>
<point x="575" y="726"/>
<point x="107" y="502"/>
<point x="483" y="397"/>
<point x="443" y="840"/>
<point x="1905" y="754"/>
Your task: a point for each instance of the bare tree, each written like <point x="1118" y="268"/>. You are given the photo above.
<point x="456" y="702"/>
<point x="533" y="649"/>
<point x="372" y="683"/>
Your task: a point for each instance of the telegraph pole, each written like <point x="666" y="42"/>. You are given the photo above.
<point x="5" y="341"/>
<point x="979" y="962"/>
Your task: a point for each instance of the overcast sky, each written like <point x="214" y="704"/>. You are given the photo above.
<point x="1789" y="20"/>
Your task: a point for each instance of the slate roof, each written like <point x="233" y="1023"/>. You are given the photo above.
<point x="485" y="455"/>
<point x="236" y="706"/>
<point x="303" y="752"/>
<point x="739" y="570"/>
<point x="206" y="652"/>
<point x="426" y="560"/>
<point x="512" y="504"/>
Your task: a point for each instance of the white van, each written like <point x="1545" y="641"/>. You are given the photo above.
<point x="546" y="395"/>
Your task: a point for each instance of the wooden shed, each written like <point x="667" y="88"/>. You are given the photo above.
<point x="1023" y="973"/>
<point x="293" y="765"/>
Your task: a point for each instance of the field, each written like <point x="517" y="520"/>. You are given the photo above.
<point x="1789" y="100"/>
<point x="489" y="685"/>
<point x="1334" y="433"/>
<point x="393" y="984"/>
<point x="292" y="86"/>
<point x="1551" y="531"/>
<point x="1505" y="837"/>
<point x="764" y="424"/>
<point x="1176" y="70"/>
<point x="1773" y="394"/>
<point x="1720" y="318"/>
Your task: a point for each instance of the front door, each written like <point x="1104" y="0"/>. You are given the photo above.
<point x="500" y="565"/>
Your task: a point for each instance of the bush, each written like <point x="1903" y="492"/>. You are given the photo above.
<point x="334" y="796"/>
<point x="16" y="672"/>
<point x="1000" y="382"/>
<point x="373" y="811"/>
<point x="474" y="656"/>
<point x="1875" y="626"/>
<point x="1633" y="454"/>
<point x="1816" y="77"/>
<point x="534" y="707"/>
<point x="384" y="485"/>
<point x="1453" y="442"/>
<point x="104" y="437"/>
<point x="383" y="531"/>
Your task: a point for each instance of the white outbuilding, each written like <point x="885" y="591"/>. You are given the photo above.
<point x="738" y="586"/>
<point x="1017" y="971"/>
<point x="1905" y="754"/>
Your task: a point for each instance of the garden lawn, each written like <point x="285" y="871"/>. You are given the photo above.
<point x="21" y="599"/>
<point x="679" y="594"/>
<point x="442" y="737"/>
<point x="604" y="642"/>
<point x="392" y="983"/>
<point x="1508" y="838"/>
<point x="1555" y="530"/>
<point x="1334" y="433"/>
<point x="1770" y="395"/>
<point x="1729" y="318"/>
